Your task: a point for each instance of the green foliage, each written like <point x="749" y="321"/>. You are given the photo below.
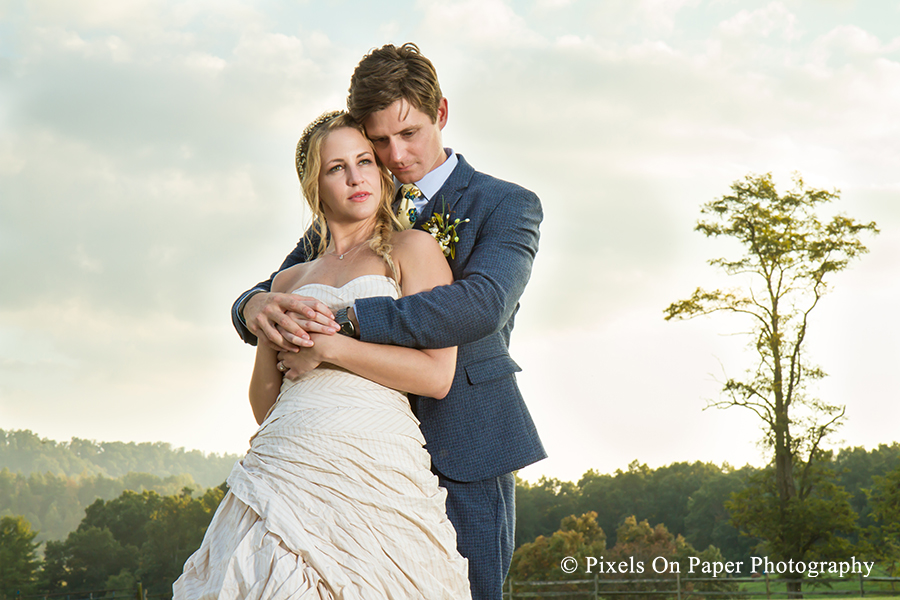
<point x="55" y="504"/>
<point x="638" y="545"/>
<point x="49" y="502"/>
<point x="639" y="542"/>
<point x="856" y="468"/>
<point x="51" y="483"/>
<point x="661" y="495"/>
<point x="174" y="531"/>
<point x="89" y="556"/>
<point x="25" y="452"/>
<point x="884" y="499"/>
<point x="541" y="506"/>
<point x="815" y="523"/>
<point x="615" y="497"/>
<point x="708" y="522"/>
<point x="136" y="537"/>
<point x="125" y="580"/>
<point x="643" y="543"/>
<point x="691" y="497"/>
<point x="578" y="537"/>
<point x="18" y="557"/>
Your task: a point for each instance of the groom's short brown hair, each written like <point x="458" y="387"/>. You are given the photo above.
<point x="389" y="74"/>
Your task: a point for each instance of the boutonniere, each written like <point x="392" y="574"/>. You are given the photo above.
<point x="443" y="230"/>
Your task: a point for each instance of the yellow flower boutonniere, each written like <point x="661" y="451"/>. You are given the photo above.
<point x="444" y="230"/>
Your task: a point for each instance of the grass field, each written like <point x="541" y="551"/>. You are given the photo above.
<point x="822" y="587"/>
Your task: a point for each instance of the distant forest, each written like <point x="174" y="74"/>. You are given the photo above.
<point x="24" y="452"/>
<point x="51" y="483"/>
<point x="688" y="499"/>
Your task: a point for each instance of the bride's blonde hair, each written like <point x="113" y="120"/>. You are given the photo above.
<point x="309" y="164"/>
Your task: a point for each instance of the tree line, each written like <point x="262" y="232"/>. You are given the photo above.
<point x="137" y="537"/>
<point x="696" y="500"/>
<point x="50" y="483"/>
<point x="54" y="504"/>
<point x="677" y="511"/>
<point x="22" y="451"/>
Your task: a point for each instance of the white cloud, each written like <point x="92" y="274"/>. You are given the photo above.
<point x="205" y="62"/>
<point x="553" y="4"/>
<point x="660" y="15"/>
<point x="774" y="18"/>
<point x="489" y="23"/>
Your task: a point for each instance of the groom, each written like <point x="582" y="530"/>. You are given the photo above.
<point x="481" y="431"/>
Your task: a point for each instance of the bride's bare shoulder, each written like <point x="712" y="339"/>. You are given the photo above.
<point x="415" y="241"/>
<point x="420" y="260"/>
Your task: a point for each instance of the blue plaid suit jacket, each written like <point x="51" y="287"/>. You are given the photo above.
<point x="482" y="428"/>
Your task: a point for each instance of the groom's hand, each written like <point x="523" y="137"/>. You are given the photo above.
<point x="284" y="321"/>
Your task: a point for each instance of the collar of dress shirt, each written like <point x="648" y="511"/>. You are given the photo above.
<point x="434" y="180"/>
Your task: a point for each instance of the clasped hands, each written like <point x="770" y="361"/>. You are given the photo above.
<point x="292" y="326"/>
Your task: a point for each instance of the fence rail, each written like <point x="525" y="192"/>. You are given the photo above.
<point x="679" y="588"/>
<point x="133" y="593"/>
<point x="676" y="588"/>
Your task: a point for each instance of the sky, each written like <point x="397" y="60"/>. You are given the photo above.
<point x="146" y="180"/>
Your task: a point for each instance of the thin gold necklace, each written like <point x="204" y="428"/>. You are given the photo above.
<point x="341" y="256"/>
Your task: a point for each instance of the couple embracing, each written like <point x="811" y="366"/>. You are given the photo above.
<point x="390" y="419"/>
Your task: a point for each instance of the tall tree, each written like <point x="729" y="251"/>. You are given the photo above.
<point x="789" y="254"/>
<point x="18" y="557"/>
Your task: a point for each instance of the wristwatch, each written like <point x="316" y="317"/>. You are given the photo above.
<point x="345" y="323"/>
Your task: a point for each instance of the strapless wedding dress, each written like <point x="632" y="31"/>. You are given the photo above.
<point x="335" y="498"/>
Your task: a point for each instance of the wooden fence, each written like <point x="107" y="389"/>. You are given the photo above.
<point x="134" y="593"/>
<point x="679" y="588"/>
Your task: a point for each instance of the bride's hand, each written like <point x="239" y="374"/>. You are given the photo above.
<point x="284" y="321"/>
<point x="325" y="348"/>
<point x="298" y="363"/>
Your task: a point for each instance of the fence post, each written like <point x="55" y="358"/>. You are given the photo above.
<point x="678" y="583"/>
<point x="510" y="589"/>
<point x="596" y="586"/>
<point x="768" y="589"/>
<point x="862" y="591"/>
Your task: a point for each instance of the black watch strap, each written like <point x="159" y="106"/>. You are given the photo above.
<point x="345" y="323"/>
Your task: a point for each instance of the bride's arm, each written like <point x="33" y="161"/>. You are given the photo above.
<point x="265" y="383"/>
<point x="429" y="373"/>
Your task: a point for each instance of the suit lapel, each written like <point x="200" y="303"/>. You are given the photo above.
<point x="450" y="193"/>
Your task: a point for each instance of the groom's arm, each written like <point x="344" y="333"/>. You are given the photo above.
<point x="481" y="300"/>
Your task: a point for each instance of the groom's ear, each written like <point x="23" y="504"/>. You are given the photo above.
<point x="442" y="113"/>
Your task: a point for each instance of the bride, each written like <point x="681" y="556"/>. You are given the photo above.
<point x="335" y="498"/>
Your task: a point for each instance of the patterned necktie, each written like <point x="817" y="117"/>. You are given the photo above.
<point x="406" y="212"/>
